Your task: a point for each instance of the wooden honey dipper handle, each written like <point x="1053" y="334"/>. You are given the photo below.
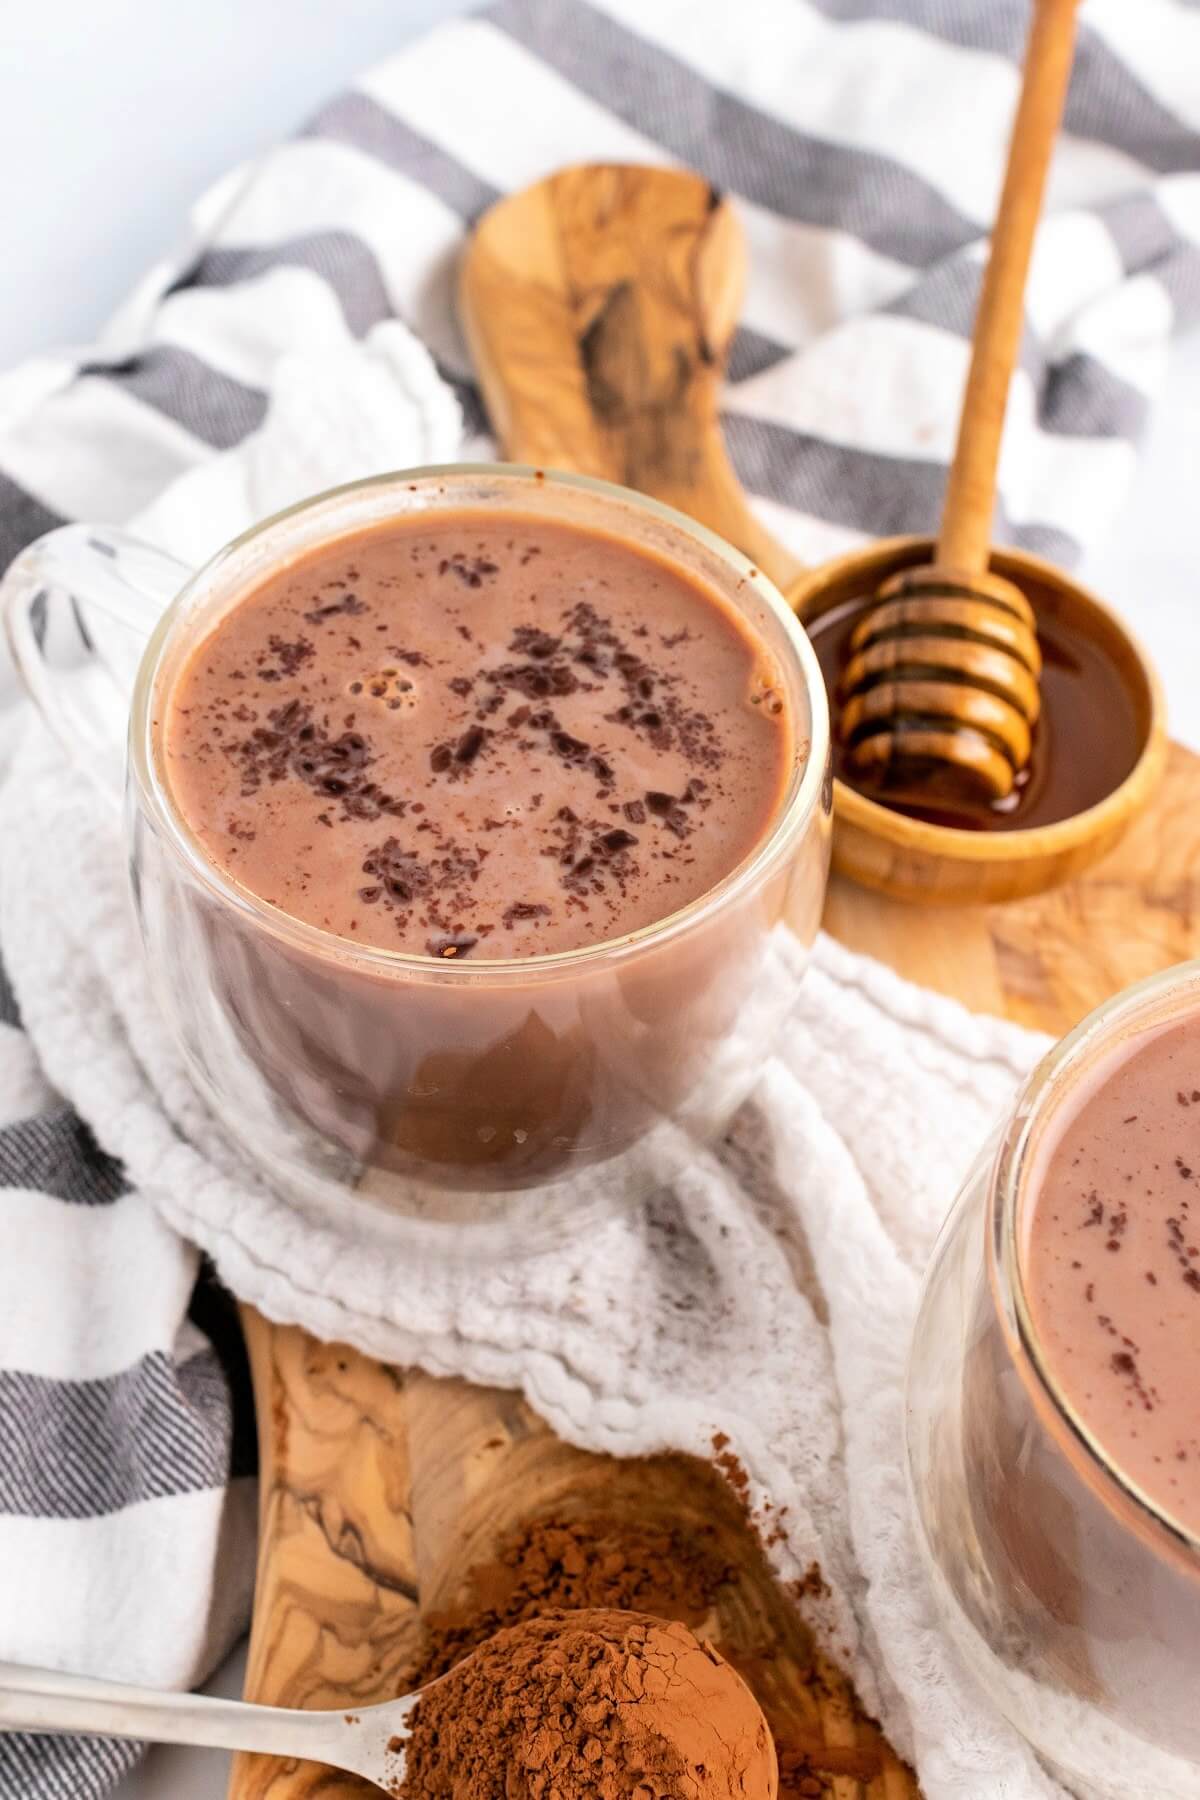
<point x="965" y="537"/>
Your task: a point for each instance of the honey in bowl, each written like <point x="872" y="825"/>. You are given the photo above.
<point x="1091" y="731"/>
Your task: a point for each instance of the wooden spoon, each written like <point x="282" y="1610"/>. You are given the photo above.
<point x="944" y="671"/>
<point x="599" y="307"/>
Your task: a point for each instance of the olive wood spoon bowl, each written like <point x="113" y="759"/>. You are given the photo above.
<point x="599" y="306"/>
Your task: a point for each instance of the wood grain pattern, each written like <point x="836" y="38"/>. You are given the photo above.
<point x="1047" y="960"/>
<point x="599" y="306"/>
<point x="336" y="1622"/>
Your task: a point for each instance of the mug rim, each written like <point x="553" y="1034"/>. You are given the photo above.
<point x="1152" y="1001"/>
<point x="794" y="812"/>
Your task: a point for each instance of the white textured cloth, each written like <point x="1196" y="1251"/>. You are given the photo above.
<point x="267" y="360"/>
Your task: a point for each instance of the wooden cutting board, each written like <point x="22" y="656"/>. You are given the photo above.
<point x="381" y="1488"/>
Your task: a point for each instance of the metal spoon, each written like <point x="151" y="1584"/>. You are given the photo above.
<point x="362" y="1740"/>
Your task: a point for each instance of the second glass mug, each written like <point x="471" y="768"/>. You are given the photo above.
<point x="1072" y="1596"/>
<point x="511" y="1089"/>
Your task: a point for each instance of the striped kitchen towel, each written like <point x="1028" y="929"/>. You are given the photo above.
<point x="863" y="141"/>
<point x="124" y="1461"/>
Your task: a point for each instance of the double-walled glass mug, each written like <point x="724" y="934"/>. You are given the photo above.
<point x="1071" y="1594"/>
<point x="510" y="1088"/>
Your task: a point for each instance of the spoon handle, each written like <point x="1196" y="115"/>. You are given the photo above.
<point x="48" y="1700"/>
<point x="965" y="538"/>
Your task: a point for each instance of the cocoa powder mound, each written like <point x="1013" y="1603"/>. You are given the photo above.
<point x="551" y="1563"/>
<point x="595" y="1705"/>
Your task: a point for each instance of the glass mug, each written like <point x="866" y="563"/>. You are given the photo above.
<point x="472" y="1091"/>
<point x="1074" y="1599"/>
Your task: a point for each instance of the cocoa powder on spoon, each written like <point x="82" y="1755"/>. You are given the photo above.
<point x="590" y="1705"/>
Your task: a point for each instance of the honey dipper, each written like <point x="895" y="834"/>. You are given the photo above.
<point x="942" y="672"/>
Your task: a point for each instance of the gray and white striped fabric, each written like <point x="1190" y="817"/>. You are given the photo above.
<point x="126" y="1440"/>
<point x="863" y="141"/>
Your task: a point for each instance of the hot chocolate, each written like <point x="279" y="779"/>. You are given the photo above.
<point x="471" y="801"/>
<point x="1054" y="1432"/>
<point x="484" y="737"/>
<point x="1112" y="1262"/>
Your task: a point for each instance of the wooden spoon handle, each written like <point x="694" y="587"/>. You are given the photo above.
<point x="966" y="532"/>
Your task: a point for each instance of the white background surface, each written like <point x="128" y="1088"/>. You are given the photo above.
<point x="114" y="117"/>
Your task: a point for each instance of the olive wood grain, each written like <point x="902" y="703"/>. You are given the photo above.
<point x="599" y="307"/>
<point x="1047" y="960"/>
<point x="336" y="1622"/>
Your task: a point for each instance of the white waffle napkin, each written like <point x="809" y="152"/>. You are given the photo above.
<point x="769" y="1294"/>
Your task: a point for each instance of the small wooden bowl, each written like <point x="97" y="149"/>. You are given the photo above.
<point x="912" y="860"/>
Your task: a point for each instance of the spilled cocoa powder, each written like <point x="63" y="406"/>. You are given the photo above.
<point x="592" y="1705"/>
<point x="552" y="1564"/>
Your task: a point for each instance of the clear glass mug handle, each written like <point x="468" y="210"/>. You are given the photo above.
<point x="79" y="607"/>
